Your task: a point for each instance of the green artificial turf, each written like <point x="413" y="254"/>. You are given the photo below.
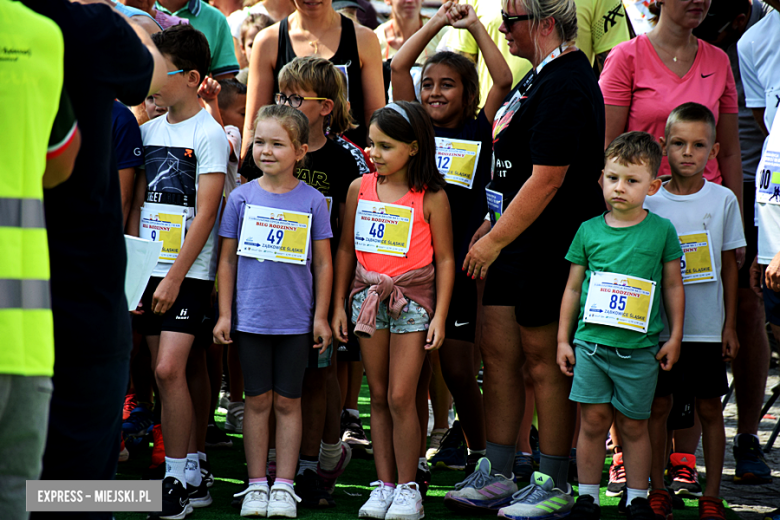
<point x="352" y="489"/>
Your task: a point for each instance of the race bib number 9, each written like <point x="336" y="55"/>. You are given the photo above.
<point x="621" y="301"/>
<point x="768" y="177"/>
<point x="275" y="234"/>
<point x="457" y="160"/>
<point x="697" y="263"/>
<point x="382" y="228"/>
<point x="164" y="223"/>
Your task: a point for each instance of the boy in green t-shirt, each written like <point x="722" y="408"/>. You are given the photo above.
<point x="620" y="260"/>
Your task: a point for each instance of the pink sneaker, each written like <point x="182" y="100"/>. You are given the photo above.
<point x="329" y="477"/>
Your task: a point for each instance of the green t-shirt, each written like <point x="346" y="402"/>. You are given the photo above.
<point x="602" y="24"/>
<point x="640" y="250"/>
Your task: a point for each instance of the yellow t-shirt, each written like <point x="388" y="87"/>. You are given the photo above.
<point x="602" y="24"/>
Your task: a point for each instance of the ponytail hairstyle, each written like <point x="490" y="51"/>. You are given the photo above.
<point x="563" y="13"/>
<point x="421" y="168"/>
<point x="320" y="76"/>
<point x="293" y="121"/>
<point x="469" y="78"/>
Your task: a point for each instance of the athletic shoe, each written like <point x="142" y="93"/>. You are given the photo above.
<point x="129" y="406"/>
<point x="378" y="502"/>
<point x="199" y="495"/>
<point x="452" y="452"/>
<point x="617" y="476"/>
<point x="216" y="438"/>
<point x="238" y="498"/>
<point x="640" y="510"/>
<point x="254" y="500"/>
<point x="685" y="478"/>
<point x="407" y="504"/>
<point x="205" y="472"/>
<point x="234" y="421"/>
<point x="480" y="491"/>
<point x="711" y="508"/>
<point x="437" y="435"/>
<point x="224" y="400"/>
<point x="423" y="479"/>
<point x="282" y="502"/>
<point x="123" y="453"/>
<point x="139" y="423"/>
<point x="329" y="477"/>
<point x="471" y="463"/>
<point x="523" y="467"/>
<point x="310" y="489"/>
<point x="751" y="464"/>
<point x="354" y="435"/>
<point x="270" y="472"/>
<point x="585" y="508"/>
<point x="661" y="503"/>
<point x="540" y="500"/>
<point x="175" y="501"/>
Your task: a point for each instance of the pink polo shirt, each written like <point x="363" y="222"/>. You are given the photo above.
<point x="635" y="77"/>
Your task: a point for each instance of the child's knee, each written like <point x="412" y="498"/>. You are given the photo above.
<point x="631" y="429"/>
<point x="168" y="373"/>
<point x="596" y="419"/>
<point x="709" y="409"/>
<point x="285" y="405"/>
<point x="662" y="405"/>
<point x="400" y="400"/>
<point x="259" y="403"/>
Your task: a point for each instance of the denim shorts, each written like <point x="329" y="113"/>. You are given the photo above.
<point x="413" y="318"/>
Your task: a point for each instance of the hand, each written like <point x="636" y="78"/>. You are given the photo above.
<point x="138" y="310"/>
<point x="483" y="230"/>
<point x="772" y="275"/>
<point x="338" y="324"/>
<point x="669" y="354"/>
<point x="221" y="331"/>
<point x="435" y="334"/>
<point x="465" y="17"/>
<point x="165" y="295"/>
<point x="480" y="257"/>
<point x="730" y="344"/>
<point x="740" y="253"/>
<point x="209" y="90"/>
<point x="442" y="15"/>
<point x="755" y="278"/>
<point x="322" y="334"/>
<point x="566" y="359"/>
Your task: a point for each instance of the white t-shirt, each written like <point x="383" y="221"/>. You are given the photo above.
<point x="713" y="208"/>
<point x="232" y="180"/>
<point x="759" y="64"/>
<point x="175" y="158"/>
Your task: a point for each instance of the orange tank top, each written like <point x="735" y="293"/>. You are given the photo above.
<point x="420" y="252"/>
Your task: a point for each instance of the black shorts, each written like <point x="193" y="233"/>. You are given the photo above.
<point x="771" y="304"/>
<point x="186" y="314"/>
<point x="273" y="362"/>
<point x="462" y="316"/>
<point x="751" y="233"/>
<point x="536" y="296"/>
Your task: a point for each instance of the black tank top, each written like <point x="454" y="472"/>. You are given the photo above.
<point x="346" y="57"/>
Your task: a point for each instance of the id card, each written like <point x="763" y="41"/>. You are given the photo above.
<point x="275" y="234"/>
<point x="621" y="301"/>
<point x="768" y="176"/>
<point x="457" y="160"/>
<point x="698" y="262"/>
<point x="495" y="203"/>
<point x="382" y="228"/>
<point x="164" y="223"/>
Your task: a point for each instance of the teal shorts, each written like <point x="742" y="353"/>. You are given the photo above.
<point x="622" y="377"/>
<point x="414" y="318"/>
<point x="317" y="360"/>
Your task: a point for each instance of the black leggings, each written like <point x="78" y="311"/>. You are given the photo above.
<point x="273" y="362"/>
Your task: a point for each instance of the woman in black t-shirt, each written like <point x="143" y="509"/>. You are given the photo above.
<point x="547" y="147"/>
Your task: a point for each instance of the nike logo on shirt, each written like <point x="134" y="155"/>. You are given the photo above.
<point x="707" y="76"/>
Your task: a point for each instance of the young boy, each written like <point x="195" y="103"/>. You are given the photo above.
<point x="622" y="262"/>
<point x="709" y="225"/>
<point x="186" y="156"/>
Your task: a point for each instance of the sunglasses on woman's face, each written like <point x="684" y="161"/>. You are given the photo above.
<point x="509" y="21"/>
<point x="294" y="100"/>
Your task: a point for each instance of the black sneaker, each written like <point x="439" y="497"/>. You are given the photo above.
<point x="205" y="472"/>
<point x="199" y="496"/>
<point x="585" y="508"/>
<point x="640" y="509"/>
<point x="216" y="438"/>
<point x="622" y="509"/>
<point x="175" y="501"/>
<point x="311" y="490"/>
<point x="471" y="463"/>
<point x="354" y="435"/>
<point x="423" y="479"/>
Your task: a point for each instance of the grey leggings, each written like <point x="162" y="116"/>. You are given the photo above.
<point x="274" y="362"/>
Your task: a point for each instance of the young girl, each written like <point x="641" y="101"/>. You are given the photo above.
<point x="281" y="309"/>
<point x="397" y="220"/>
<point x="449" y="94"/>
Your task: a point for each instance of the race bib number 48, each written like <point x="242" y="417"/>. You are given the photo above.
<point x="382" y="228"/>
<point x="275" y="234"/>
<point x="617" y="300"/>
<point x="697" y="263"/>
<point x="166" y="224"/>
<point x="457" y="160"/>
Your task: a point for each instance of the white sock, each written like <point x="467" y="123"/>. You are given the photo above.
<point x="192" y="470"/>
<point x="202" y="456"/>
<point x="476" y="452"/>
<point x="632" y="494"/>
<point x="175" y="468"/>
<point x="422" y="463"/>
<point x="272" y="455"/>
<point x="330" y="455"/>
<point x="592" y="490"/>
<point x="303" y="465"/>
<point x="353" y="413"/>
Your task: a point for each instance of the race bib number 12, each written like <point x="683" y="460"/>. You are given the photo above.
<point x="457" y="160"/>
<point x="275" y="234"/>
<point x="382" y="228"/>
<point x="617" y="300"/>
<point x="697" y="263"/>
<point x="166" y="224"/>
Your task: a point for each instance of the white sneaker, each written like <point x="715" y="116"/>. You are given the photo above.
<point x="283" y="502"/>
<point x="255" y="502"/>
<point x="234" y="421"/>
<point x="378" y="503"/>
<point x="436" y="436"/>
<point x="407" y="504"/>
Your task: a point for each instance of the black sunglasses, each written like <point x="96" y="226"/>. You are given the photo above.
<point x="509" y="21"/>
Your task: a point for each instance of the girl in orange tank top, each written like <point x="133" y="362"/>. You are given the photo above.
<point x="397" y="242"/>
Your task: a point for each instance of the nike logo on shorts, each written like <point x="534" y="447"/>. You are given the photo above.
<point x="461" y="324"/>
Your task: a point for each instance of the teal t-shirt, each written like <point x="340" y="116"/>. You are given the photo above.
<point x="640" y="250"/>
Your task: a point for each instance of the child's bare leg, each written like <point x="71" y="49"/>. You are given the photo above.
<point x="170" y="372"/>
<point x="421" y="402"/>
<point x="596" y="420"/>
<point x="656" y="426"/>
<point x="289" y="426"/>
<point x="375" y="352"/>
<point x="713" y="442"/>
<point x="636" y="450"/>
<point x="256" y="413"/>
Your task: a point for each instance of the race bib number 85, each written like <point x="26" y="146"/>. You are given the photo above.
<point x="617" y="300"/>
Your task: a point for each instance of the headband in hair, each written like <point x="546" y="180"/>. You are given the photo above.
<point x="398" y="108"/>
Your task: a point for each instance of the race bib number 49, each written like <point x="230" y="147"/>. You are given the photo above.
<point x="617" y="300"/>
<point x="697" y="263"/>
<point x="457" y="160"/>
<point x="275" y="234"/>
<point x="166" y="224"/>
<point x="382" y="228"/>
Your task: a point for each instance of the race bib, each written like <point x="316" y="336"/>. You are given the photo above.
<point x="164" y="223"/>
<point x="274" y="234"/>
<point x="457" y="160"/>
<point x="382" y="228"/>
<point x="495" y="202"/>
<point x="768" y="177"/>
<point x="617" y="300"/>
<point x="698" y="261"/>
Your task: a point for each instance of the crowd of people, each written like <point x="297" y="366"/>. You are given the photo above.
<point x="580" y="206"/>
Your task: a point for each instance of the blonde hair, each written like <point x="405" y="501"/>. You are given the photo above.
<point x="293" y="121"/>
<point x="320" y="76"/>
<point x="563" y="13"/>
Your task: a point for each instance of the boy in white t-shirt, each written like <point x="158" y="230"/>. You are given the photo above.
<point x="708" y="223"/>
<point x="186" y="156"/>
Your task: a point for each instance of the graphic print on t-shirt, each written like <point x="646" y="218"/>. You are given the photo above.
<point x="170" y="175"/>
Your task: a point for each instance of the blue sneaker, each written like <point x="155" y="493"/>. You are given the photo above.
<point x="481" y="491"/>
<point x="139" y="423"/>
<point x="452" y="452"/>
<point x="751" y="464"/>
<point x="541" y="500"/>
<point x="523" y="467"/>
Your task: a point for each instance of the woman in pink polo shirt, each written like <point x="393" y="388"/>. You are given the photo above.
<point x="644" y="79"/>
